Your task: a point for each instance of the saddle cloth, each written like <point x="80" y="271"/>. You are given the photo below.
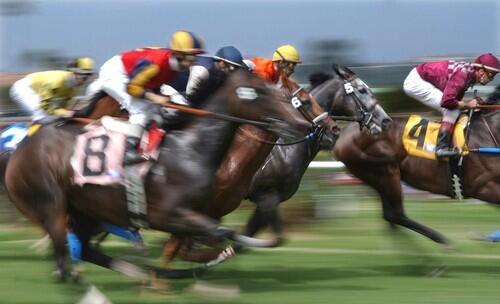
<point x="420" y="136"/>
<point x="98" y="155"/>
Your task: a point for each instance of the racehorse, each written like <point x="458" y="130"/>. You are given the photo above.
<point x="278" y="176"/>
<point x="39" y="174"/>
<point x="100" y="105"/>
<point x="382" y="163"/>
<point x="278" y="180"/>
<point x="247" y="154"/>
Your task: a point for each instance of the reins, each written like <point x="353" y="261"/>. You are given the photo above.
<point x="309" y="136"/>
<point x="205" y="113"/>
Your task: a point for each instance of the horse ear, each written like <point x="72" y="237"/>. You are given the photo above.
<point x="349" y="72"/>
<point x="336" y="69"/>
<point x="343" y="71"/>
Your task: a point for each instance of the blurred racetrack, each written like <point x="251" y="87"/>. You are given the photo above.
<point x="338" y="250"/>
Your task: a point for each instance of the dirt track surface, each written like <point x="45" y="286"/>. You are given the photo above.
<point x="9" y="78"/>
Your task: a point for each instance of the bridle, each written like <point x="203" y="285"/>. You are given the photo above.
<point x="366" y="115"/>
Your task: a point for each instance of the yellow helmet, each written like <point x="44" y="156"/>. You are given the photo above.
<point x="83" y="65"/>
<point x="287" y="53"/>
<point x="186" y="42"/>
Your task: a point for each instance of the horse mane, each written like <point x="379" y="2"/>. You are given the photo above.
<point x="318" y="78"/>
<point x="494" y="98"/>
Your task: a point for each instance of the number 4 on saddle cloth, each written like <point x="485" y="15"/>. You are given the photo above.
<point x="420" y="136"/>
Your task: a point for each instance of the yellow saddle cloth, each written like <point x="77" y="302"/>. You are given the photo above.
<point x="420" y="136"/>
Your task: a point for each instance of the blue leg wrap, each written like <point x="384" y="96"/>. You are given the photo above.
<point x="130" y="235"/>
<point x="494" y="236"/>
<point x="74" y="246"/>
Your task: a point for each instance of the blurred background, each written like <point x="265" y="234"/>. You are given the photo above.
<point x="381" y="40"/>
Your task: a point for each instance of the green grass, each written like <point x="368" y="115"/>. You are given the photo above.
<point x="353" y="258"/>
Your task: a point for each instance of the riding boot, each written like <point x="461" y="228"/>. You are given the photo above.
<point x="443" y="146"/>
<point x="132" y="155"/>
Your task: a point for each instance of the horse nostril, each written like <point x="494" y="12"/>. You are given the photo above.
<point x="386" y="123"/>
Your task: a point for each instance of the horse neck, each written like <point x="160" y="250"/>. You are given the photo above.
<point x="480" y="128"/>
<point x="300" y="155"/>
<point x="208" y="137"/>
<point x="103" y="105"/>
<point x="322" y="94"/>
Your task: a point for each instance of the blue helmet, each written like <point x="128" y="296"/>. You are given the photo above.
<point x="231" y="55"/>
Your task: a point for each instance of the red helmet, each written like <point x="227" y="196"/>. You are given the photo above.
<point x="489" y="62"/>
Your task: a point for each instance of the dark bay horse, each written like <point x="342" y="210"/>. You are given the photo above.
<point x="38" y="176"/>
<point x="279" y="179"/>
<point x="250" y="148"/>
<point x="99" y="106"/>
<point x="279" y="173"/>
<point x="382" y="163"/>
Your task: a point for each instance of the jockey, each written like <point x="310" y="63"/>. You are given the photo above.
<point x="441" y="85"/>
<point x="208" y="73"/>
<point x="134" y="79"/>
<point x="283" y="63"/>
<point x="46" y="94"/>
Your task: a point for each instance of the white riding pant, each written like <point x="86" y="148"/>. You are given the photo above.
<point x="423" y="91"/>
<point x="22" y="93"/>
<point x="113" y="80"/>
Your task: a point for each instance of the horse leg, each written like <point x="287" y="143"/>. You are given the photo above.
<point x="386" y="180"/>
<point x="489" y="192"/>
<point x="84" y="228"/>
<point x="171" y="249"/>
<point x="266" y="213"/>
<point x="56" y="226"/>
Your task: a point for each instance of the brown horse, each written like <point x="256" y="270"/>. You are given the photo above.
<point x="38" y="176"/>
<point x="279" y="179"/>
<point x="280" y="173"/>
<point x="382" y="163"/>
<point x="249" y="150"/>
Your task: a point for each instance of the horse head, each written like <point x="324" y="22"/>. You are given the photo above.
<point x="311" y="110"/>
<point x="347" y="95"/>
<point x="251" y="98"/>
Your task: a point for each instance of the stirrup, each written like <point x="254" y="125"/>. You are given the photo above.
<point x="447" y="152"/>
<point x="129" y="160"/>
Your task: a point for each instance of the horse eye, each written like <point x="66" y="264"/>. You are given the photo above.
<point x="363" y="91"/>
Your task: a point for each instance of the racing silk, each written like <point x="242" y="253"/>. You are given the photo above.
<point x="453" y="78"/>
<point x="265" y="69"/>
<point x="55" y="88"/>
<point x="204" y="80"/>
<point x="148" y="69"/>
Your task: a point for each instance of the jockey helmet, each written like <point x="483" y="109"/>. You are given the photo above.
<point x="82" y="65"/>
<point x="231" y="55"/>
<point x="286" y="53"/>
<point x="186" y="42"/>
<point x="488" y="61"/>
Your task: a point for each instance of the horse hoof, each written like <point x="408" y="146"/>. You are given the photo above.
<point x="75" y="276"/>
<point x="61" y="276"/>
<point x="448" y="248"/>
<point x="438" y="271"/>
<point x="130" y="270"/>
<point x="177" y="273"/>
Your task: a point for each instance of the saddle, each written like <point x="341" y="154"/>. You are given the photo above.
<point x="99" y="151"/>
<point x="420" y="136"/>
<point x="98" y="159"/>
